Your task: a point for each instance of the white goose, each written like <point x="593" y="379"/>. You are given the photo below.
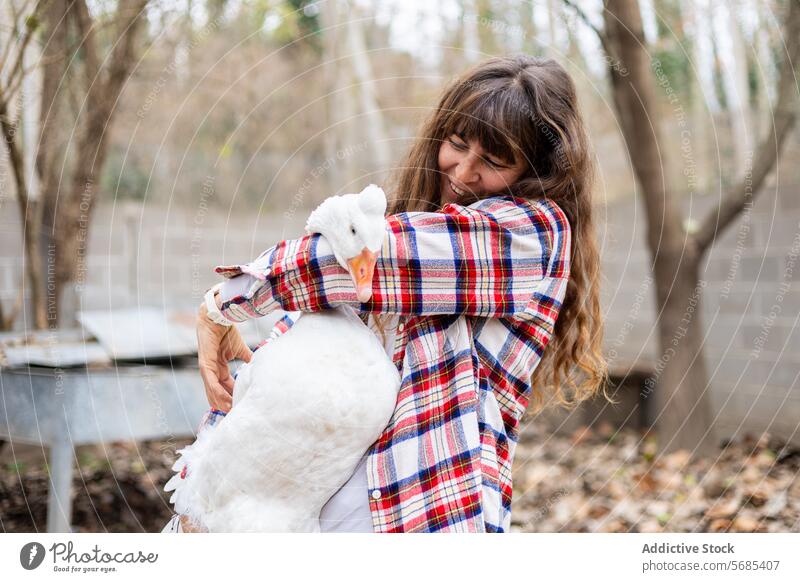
<point x="305" y="409"/>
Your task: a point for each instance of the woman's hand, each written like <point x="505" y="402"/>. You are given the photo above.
<point x="216" y="346"/>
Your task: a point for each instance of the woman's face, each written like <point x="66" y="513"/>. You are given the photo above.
<point x="470" y="174"/>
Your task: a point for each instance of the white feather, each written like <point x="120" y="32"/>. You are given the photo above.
<point x="306" y="408"/>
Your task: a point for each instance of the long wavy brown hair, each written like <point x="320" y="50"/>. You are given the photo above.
<point x="525" y="108"/>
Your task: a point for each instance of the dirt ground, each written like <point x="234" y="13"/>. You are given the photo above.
<point x="595" y="480"/>
<point x="118" y="487"/>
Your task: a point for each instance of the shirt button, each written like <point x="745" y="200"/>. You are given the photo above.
<point x="376" y="493"/>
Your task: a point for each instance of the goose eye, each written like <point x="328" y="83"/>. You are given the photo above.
<point x="353" y="229"/>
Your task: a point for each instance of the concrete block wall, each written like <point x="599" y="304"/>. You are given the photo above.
<point x="749" y="308"/>
<point x="150" y="256"/>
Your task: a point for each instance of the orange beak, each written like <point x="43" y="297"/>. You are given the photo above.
<point x="362" y="268"/>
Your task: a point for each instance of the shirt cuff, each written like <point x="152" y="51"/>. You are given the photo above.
<point x="236" y="285"/>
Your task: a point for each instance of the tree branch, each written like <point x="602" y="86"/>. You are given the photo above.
<point x="585" y="18"/>
<point x="635" y="102"/>
<point x="130" y="15"/>
<point x="783" y="118"/>
<point x="103" y="93"/>
<point x="9" y="131"/>
<point x="40" y="63"/>
<point x="55" y="52"/>
<point x="85" y="27"/>
<point x="12" y="33"/>
<point x="31" y="25"/>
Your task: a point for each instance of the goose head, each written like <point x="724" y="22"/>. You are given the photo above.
<point x="354" y="225"/>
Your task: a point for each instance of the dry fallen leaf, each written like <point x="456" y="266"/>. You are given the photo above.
<point x="745" y="524"/>
<point x="719" y="525"/>
<point x="776" y="504"/>
<point x="676" y="461"/>
<point x="724" y="508"/>
<point x="651" y="526"/>
<point x="646" y="482"/>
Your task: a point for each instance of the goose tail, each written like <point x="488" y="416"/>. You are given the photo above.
<point x="181" y="486"/>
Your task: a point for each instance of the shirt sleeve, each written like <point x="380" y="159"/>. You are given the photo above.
<point x="236" y="286"/>
<point x="500" y="257"/>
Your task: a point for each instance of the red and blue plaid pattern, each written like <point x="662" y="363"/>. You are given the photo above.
<point x="477" y="291"/>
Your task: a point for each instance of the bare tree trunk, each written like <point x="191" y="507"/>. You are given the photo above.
<point x="527" y="26"/>
<point x="487" y="40"/>
<point x="635" y="94"/>
<point x="681" y="382"/>
<point x="54" y="54"/>
<point x="684" y="417"/>
<point x="552" y="15"/>
<point x="768" y="79"/>
<point x="470" y="31"/>
<point x="13" y="58"/>
<point x="28" y="218"/>
<point x="734" y="82"/>
<point x="374" y="126"/>
<point x="700" y="114"/>
<point x="72" y="211"/>
<point x="334" y="101"/>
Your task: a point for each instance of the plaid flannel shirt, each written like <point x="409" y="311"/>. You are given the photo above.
<point x="477" y="290"/>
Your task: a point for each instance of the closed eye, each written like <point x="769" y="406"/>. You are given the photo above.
<point x="459" y="146"/>
<point x="494" y="164"/>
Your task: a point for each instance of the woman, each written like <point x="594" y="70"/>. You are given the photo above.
<point x="491" y="258"/>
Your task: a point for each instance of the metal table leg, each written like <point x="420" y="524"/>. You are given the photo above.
<point x="59" y="497"/>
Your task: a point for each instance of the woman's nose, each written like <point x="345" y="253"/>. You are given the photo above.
<point x="466" y="170"/>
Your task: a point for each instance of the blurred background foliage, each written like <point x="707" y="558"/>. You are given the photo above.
<point x="241" y="90"/>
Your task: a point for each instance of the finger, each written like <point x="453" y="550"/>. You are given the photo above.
<point x="212" y="388"/>
<point x="244" y="353"/>
<point x="217" y="396"/>
<point x="223" y="401"/>
<point x="225" y="378"/>
<point x="215" y="374"/>
<point x="210" y="373"/>
<point x="207" y="348"/>
<point x="240" y="350"/>
<point x="236" y="348"/>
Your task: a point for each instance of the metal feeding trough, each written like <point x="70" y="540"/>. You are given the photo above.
<point x="127" y="375"/>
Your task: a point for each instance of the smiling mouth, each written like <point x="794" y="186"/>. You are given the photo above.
<point x="458" y="191"/>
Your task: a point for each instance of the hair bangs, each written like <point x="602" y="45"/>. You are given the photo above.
<point x="492" y="118"/>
